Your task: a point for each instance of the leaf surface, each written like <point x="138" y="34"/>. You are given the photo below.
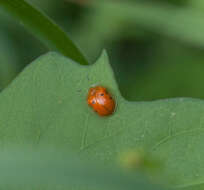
<point x="46" y="105"/>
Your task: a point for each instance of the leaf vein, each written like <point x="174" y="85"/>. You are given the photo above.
<point x="170" y="137"/>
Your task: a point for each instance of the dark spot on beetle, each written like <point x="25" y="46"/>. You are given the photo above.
<point x="93" y="102"/>
<point x="110" y="97"/>
<point x="102" y="94"/>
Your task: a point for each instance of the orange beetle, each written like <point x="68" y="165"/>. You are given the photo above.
<point x="101" y="101"/>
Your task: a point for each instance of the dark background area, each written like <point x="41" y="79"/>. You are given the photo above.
<point x="149" y="63"/>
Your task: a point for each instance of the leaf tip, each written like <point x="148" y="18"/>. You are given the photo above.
<point x="103" y="58"/>
<point x="104" y="55"/>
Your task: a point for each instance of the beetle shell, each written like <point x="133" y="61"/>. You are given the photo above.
<point x="101" y="101"/>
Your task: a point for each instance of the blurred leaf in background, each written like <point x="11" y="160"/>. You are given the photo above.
<point x="18" y="48"/>
<point x="44" y="169"/>
<point x="156" y="47"/>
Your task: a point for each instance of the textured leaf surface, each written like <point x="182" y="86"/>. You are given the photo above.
<point x="46" y="105"/>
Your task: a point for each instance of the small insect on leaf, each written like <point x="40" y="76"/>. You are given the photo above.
<point x="101" y="101"/>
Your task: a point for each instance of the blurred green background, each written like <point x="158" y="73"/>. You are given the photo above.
<point x="156" y="47"/>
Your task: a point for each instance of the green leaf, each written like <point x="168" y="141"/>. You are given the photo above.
<point x="22" y="168"/>
<point x="8" y="57"/>
<point x="43" y="28"/>
<point x="46" y="105"/>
